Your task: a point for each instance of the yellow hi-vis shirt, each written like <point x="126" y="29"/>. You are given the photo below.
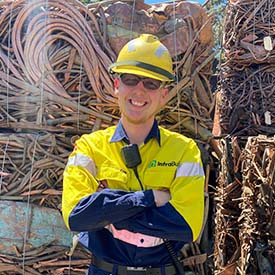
<point x="121" y="221"/>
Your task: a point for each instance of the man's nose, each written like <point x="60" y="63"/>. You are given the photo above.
<point x="140" y="86"/>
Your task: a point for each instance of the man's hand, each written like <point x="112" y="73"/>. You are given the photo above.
<point x="161" y="197"/>
<point x="102" y="185"/>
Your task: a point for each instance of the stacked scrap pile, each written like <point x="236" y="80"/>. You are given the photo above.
<point x="55" y="86"/>
<point x="244" y="210"/>
<point x="247" y="96"/>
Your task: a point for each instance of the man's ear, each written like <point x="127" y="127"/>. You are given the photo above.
<point x="165" y="92"/>
<point x="116" y="83"/>
<point x="164" y="96"/>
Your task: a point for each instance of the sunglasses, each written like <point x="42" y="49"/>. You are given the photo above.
<point x="133" y="80"/>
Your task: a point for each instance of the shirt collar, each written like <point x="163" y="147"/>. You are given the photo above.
<point x="120" y="133"/>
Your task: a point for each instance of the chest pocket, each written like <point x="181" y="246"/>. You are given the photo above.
<point x="116" y="178"/>
<point x="159" y="177"/>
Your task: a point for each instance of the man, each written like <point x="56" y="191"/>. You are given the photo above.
<point x="135" y="190"/>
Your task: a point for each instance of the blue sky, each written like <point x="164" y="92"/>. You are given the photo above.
<point x="160" y="1"/>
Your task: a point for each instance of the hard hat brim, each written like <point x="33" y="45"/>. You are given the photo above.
<point x="143" y="69"/>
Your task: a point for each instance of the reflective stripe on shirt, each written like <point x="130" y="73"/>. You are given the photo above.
<point x="189" y="169"/>
<point x="137" y="239"/>
<point x="83" y="161"/>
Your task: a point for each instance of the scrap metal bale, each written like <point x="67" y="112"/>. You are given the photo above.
<point x="227" y="209"/>
<point x="246" y="101"/>
<point x="256" y="234"/>
<point x="244" y="105"/>
<point x="244" y="208"/>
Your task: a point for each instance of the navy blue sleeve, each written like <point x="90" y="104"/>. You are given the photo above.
<point x="164" y="222"/>
<point x="108" y="206"/>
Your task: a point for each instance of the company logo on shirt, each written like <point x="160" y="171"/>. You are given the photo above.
<point x="155" y="163"/>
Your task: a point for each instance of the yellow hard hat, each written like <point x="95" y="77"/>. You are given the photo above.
<point x="145" y="56"/>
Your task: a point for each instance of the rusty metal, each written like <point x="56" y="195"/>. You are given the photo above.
<point x="245" y="105"/>
<point x="244" y="210"/>
<point x="244" y="109"/>
<point x="257" y="207"/>
<point x="26" y="226"/>
<point x="32" y="166"/>
<point x="246" y="25"/>
<point x="247" y="99"/>
<point x="227" y="211"/>
<point x="48" y="259"/>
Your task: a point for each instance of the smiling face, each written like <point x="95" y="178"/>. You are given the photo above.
<point x="138" y="105"/>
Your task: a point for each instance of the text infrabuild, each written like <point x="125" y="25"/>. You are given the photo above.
<point x="155" y="163"/>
